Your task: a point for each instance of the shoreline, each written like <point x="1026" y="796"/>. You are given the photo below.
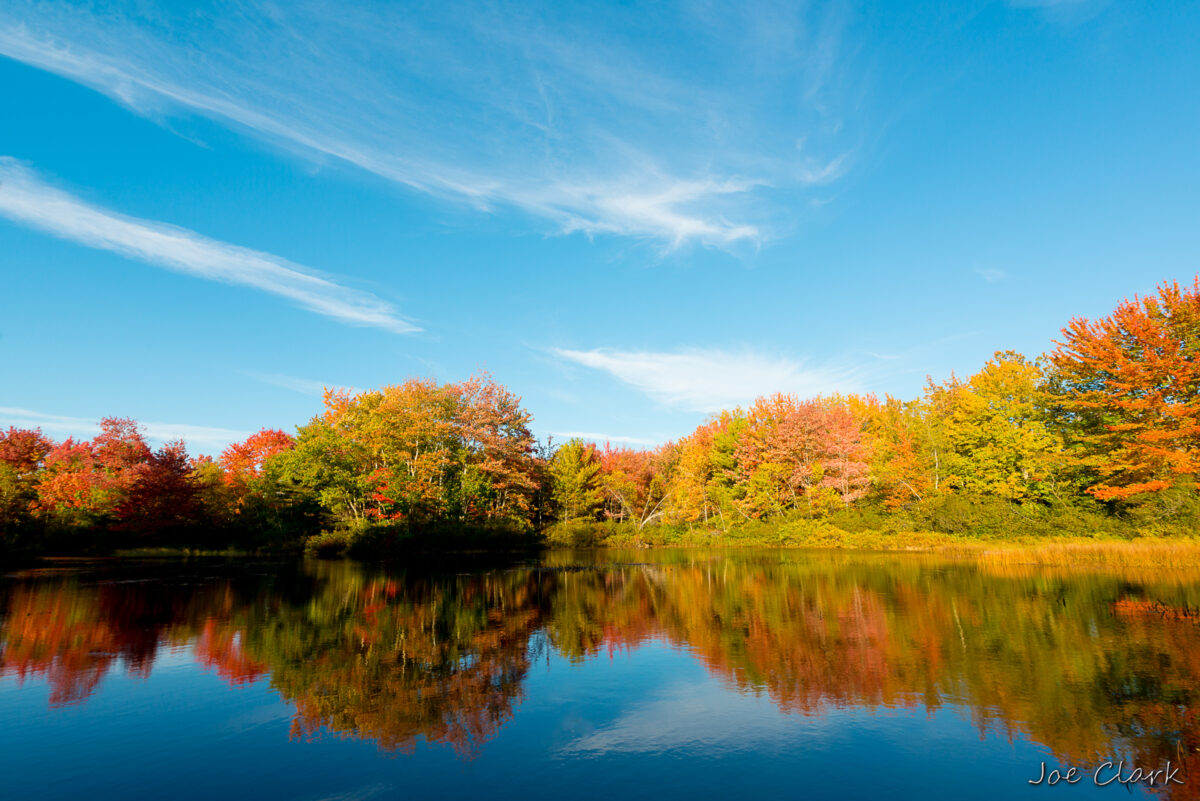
<point x="1064" y="552"/>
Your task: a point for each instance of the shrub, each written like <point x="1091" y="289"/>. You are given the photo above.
<point x="328" y="544"/>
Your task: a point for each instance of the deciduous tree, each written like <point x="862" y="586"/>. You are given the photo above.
<point x="574" y="481"/>
<point x="996" y="432"/>
<point x="1128" y="389"/>
<point x="22" y="453"/>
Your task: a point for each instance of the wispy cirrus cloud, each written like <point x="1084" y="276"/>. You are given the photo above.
<point x="591" y="436"/>
<point x="304" y="386"/>
<point x="206" y="438"/>
<point x="991" y="274"/>
<point x="28" y="199"/>
<point x="682" y="125"/>
<point x="711" y="380"/>
<point x="1064" y="12"/>
<point x="1046" y="3"/>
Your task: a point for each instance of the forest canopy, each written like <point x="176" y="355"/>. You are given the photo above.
<point x="1101" y="432"/>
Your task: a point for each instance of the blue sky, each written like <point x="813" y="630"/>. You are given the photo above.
<point x="632" y="215"/>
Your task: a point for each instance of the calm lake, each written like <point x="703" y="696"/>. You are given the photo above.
<point x="662" y="674"/>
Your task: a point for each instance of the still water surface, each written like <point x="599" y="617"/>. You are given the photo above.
<point x="614" y="675"/>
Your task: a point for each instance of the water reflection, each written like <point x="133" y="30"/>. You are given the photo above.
<point x="1092" y="665"/>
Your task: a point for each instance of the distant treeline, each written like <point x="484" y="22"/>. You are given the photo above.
<point x="1102" y="434"/>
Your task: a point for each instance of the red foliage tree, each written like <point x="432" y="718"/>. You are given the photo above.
<point x="120" y="446"/>
<point x="845" y="454"/>
<point x="792" y="448"/>
<point x="244" y="460"/>
<point x="160" y="495"/>
<point x="24" y="449"/>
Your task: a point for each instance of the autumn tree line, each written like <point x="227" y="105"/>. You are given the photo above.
<point x="1102" y="434"/>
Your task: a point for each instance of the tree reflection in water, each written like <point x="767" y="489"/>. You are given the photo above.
<point x="1092" y="665"/>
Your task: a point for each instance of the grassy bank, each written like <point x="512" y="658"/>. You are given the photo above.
<point x="757" y="535"/>
<point x="950" y="522"/>
<point x="1067" y="552"/>
<point x="384" y="541"/>
<point x="1109" y="546"/>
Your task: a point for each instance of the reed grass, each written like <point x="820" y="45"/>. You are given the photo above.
<point x="1166" y="554"/>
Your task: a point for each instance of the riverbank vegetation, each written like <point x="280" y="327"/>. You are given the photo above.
<point x="1098" y="439"/>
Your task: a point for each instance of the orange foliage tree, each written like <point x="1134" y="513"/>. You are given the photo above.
<point x="86" y="480"/>
<point x="1129" y="390"/>
<point x="703" y="473"/>
<point x="903" y="461"/>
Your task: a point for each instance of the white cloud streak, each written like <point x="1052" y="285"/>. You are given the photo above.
<point x="206" y="438"/>
<point x="991" y="274"/>
<point x="1046" y="3"/>
<point x="572" y="117"/>
<point x="304" y="386"/>
<point x="695" y="716"/>
<point x="27" y="199"/>
<point x="712" y="380"/>
<point x="588" y="436"/>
